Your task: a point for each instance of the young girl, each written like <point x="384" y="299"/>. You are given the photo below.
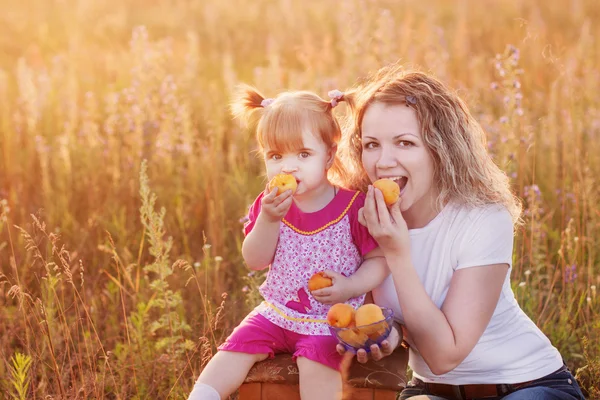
<point x="315" y="229"/>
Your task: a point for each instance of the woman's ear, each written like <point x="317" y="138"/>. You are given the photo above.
<point x="332" y="152"/>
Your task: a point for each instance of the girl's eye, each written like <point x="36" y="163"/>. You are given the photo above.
<point x="276" y="157"/>
<point x="304" y="155"/>
<point x="370" y="145"/>
<point x="405" y="143"/>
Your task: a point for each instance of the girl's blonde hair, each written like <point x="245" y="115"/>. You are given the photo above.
<point x="280" y="122"/>
<point x="464" y="170"/>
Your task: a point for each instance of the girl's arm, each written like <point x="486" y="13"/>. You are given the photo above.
<point x="258" y="248"/>
<point x="371" y="273"/>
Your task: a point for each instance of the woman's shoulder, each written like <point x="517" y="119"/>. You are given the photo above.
<point x="466" y="215"/>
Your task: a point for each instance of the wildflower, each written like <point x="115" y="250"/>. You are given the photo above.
<point x="589" y="300"/>
<point x="245" y="289"/>
<point x="517" y="84"/>
<point x="251" y="273"/>
<point x="520" y="112"/>
<point x="522" y="284"/>
<point x="528" y="272"/>
<point x="218" y="258"/>
<point x="570" y="273"/>
<point x="503" y="119"/>
<point x="197" y="264"/>
<point x="206" y="246"/>
<point x="494" y="86"/>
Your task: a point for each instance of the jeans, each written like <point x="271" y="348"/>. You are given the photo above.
<point x="559" y="385"/>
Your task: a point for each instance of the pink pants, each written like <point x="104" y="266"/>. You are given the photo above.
<point x="257" y="335"/>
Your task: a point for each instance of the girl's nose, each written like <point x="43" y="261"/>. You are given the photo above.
<point x="289" y="168"/>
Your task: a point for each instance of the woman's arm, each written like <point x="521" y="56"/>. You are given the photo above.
<point x="444" y="336"/>
<point x="462" y="319"/>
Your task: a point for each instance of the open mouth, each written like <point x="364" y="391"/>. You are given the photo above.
<point x="400" y="180"/>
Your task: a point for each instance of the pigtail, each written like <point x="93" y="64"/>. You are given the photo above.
<point x="247" y="104"/>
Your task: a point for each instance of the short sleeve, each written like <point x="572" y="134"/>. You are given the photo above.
<point x="253" y="212"/>
<point x="488" y="239"/>
<point x="360" y="234"/>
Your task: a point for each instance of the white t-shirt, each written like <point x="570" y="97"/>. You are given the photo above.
<point x="512" y="349"/>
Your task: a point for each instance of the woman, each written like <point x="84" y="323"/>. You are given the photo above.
<point x="448" y="242"/>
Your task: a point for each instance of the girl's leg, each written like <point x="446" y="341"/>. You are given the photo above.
<point x="225" y="372"/>
<point x="318" y="381"/>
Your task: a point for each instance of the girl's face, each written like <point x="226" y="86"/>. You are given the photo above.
<point x="308" y="165"/>
<point x="393" y="147"/>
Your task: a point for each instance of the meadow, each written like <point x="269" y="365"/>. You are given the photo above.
<point x="124" y="179"/>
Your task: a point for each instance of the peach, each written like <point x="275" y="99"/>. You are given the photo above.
<point x="319" y="281"/>
<point x="340" y="315"/>
<point x="390" y="190"/>
<point x="353" y="337"/>
<point x="283" y="182"/>
<point x="368" y="314"/>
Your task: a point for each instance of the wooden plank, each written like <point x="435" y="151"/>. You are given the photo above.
<point x="250" y="391"/>
<point x="360" y="394"/>
<point x="277" y="391"/>
<point x="383" y="394"/>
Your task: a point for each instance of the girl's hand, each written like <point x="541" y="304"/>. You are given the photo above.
<point x="387" y="227"/>
<point x="377" y="353"/>
<point x="272" y="207"/>
<point x="339" y="292"/>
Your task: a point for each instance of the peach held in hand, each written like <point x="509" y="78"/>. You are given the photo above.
<point x="340" y="315"/>
<point x="319" y="281"/>
<point x="283" y="182"/>
<point x="390" y="190"/>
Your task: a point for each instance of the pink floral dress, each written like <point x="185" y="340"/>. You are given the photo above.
<point x="331" y="238"/>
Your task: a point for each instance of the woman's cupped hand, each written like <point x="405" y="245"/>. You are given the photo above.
<point x="387" y="226"/>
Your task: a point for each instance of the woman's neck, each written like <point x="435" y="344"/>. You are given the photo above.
<point x="317" y="199"/>
<point x="421" y="213"/>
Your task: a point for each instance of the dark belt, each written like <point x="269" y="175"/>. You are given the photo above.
<point x="467" y="392"/>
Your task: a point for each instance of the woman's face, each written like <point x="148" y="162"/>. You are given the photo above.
<point x="393" y="147"/>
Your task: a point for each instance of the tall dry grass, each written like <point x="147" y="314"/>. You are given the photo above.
<point x="105" y="295"/>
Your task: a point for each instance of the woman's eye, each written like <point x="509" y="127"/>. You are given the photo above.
<point x="370" y="145"/>
<point x="404" y="143"/>
<point x="304" y="155"/>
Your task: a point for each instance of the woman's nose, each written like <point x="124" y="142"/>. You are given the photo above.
<point x="386" y="159"/>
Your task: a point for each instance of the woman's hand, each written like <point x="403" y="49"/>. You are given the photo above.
<point x="377" y="353"/>
<point x="339" y="292"/>
<point x="387" y="227"/>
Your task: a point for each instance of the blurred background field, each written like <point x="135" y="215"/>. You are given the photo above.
<point x="104" y="294"/>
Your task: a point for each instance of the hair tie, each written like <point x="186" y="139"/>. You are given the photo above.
<point x="266" y="102"/>
<point x="336" y="96"/>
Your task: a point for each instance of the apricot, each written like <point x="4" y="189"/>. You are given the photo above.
<point x="389" y="189"/>
<point x="368" y="314"/>
<point x="319" y="281"/>
<point x="283" y="182"/>
<point x="340" y="315"/>
<point x="353" y="337"/>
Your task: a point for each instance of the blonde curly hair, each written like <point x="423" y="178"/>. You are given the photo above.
<point x="464" y="169"/>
